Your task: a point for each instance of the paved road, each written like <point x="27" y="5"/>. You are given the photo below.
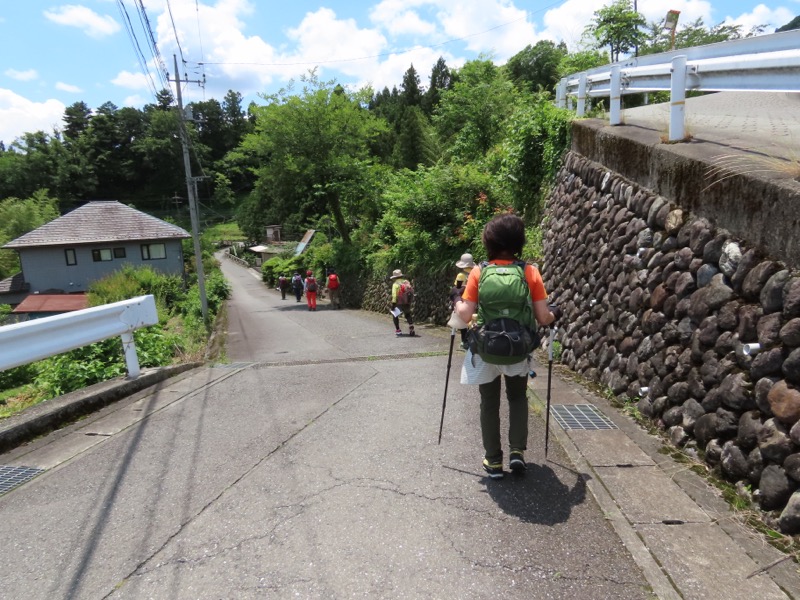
<point x="757" y="123"/>
<point x="308" y="470"/>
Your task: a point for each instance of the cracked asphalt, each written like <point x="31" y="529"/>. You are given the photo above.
<point x="308" y="468"/>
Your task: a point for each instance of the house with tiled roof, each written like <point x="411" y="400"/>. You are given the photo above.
<point x="88" y="243"/>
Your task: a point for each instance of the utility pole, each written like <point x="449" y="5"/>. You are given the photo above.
<point x="191" y="188"/>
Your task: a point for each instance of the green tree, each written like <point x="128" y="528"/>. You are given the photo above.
<point x="695" y="33"/>
<point x="416" y="140"/>
<point x="537" y="136"/>
<point x="76" y="120"/>
<point x="471" y="114"/>
<point x="536" y="67"/>
<point x="440" y="80"/>
<point x="311" y="148"/>
<point x="793" y="24"/>
<point x="18" y="217"/>
<point x="582" y="60"/>
<point x="619" y="27"/>
<point x="410" y="94"/>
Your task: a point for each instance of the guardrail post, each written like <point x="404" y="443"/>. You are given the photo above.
<point x="131" y="359"/>
<point x="561" y="93"/>
<point x="615" y="99"/>
<point x="677" y="99"/>
<point x="582" y="95"/>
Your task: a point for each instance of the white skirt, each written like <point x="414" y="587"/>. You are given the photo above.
<point x="483" y="372"/>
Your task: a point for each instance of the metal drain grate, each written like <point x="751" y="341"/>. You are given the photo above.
<point x="236" y="365"/>
<point x="580" y="416"/>
<point x="11" y="477"/>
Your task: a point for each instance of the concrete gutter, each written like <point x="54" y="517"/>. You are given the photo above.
<point x="53" y="414"/>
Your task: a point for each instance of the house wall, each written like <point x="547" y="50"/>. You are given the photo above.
<point x="46" y="268"/>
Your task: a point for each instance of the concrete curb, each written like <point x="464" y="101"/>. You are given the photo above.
<point x="53" y="414"/>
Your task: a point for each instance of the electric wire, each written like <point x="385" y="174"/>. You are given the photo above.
<point x="175" y="31"/>
<point x="161" y="67"/>
<point x="126" y="19"/>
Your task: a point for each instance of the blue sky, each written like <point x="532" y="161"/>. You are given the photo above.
<point x="56" y="53"/>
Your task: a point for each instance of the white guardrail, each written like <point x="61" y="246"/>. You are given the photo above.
<point x="23" y="343"/>
<point x="766" y="63"/>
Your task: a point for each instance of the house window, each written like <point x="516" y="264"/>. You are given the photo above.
<point x="101" y="255"/>
<point x="69" y="253"/>
<point x="119" y="252"/>
<point x="153" y="251"/>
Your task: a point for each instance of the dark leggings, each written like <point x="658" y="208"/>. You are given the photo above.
<point x="517" y="394"/>
<point x="407" y="313"/>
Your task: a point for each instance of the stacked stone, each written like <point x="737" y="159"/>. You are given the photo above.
<point x="666" y="308"/>
<point x="431" y="302"/>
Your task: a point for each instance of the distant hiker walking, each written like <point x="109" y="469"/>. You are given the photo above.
<point x="283" y="285"/>
<point x="310" y="287"/>
<point x="402" y="298"/>
<point x="334" y="289"/>
<point x="509" y="298"/>
<point x="466" y="263"/>
<point x="297" y="285"/>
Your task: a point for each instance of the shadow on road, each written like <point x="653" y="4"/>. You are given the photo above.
<point x="539" y="496"/>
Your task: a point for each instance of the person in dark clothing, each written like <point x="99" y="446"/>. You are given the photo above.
<point x="297" y="285"/>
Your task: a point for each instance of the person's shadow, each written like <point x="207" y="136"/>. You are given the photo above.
<point x="538" y="496"/>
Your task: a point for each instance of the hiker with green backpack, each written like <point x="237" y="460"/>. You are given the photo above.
<point x="507" y="299"/>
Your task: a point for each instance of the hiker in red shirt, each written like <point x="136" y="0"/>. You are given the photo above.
<point x="333" y="289"/>
<point x="310" y="287"/>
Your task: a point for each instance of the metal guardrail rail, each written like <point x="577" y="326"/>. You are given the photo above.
<point x="23" y="343"/>
<point x="767" y="63"/>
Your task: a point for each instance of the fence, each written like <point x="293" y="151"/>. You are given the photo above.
<point x="23" y="343"/>
<point x="767" y="63"/>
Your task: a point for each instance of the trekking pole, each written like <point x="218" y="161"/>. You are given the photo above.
<point x="549" y="378"/>
<point x="447" y="379"/>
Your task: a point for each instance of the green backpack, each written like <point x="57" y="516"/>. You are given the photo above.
<point x="506" y="327"/>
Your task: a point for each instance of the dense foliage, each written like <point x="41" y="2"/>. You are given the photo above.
<point x="179" y="335"/>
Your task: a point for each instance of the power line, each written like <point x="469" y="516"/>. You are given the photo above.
<point x="159" y="61"/>
<point x="175" y="31"/>
<point x="126" y="19"/>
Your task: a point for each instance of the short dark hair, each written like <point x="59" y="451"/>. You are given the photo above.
<point x="504" y="234"/>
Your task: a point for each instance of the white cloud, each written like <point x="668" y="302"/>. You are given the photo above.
<point x="85" y="19"/>
<point x="137" y="101"/>
<point x="396" y="17"/>
<point x="493" y="27"/>
<point x="19" y="115"/>
<point x="322" y="38"/>
<point x="66" y="87"/>
<point x="28" y="75"/>
<point x="567" y="22"/>
<point x="133" y="81"/>
<point x="762" y="15"/>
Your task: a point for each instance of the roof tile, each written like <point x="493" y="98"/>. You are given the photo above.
<point x="99" y="222"/>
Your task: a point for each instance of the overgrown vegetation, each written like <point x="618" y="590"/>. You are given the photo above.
<point x="403" y="177"/>
<point x="180" y="336"/>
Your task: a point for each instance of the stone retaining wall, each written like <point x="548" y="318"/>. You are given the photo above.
<point x="662" y="306"/>
<point x="431" y="304"/>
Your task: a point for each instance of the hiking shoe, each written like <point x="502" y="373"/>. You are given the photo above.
<point x="398" y="333"/>
<point x="516" y="461"/>
<point x="494" y="469"/>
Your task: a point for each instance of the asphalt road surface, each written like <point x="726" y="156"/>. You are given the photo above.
<point x="306" y="467"/>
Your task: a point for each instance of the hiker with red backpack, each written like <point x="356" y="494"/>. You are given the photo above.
<point x="402" y="298"/>
<point x="310" y="288"/>
<point x="283" y="285"/>
<point x="507" y="299"/>
<point x="333" y="289"/>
